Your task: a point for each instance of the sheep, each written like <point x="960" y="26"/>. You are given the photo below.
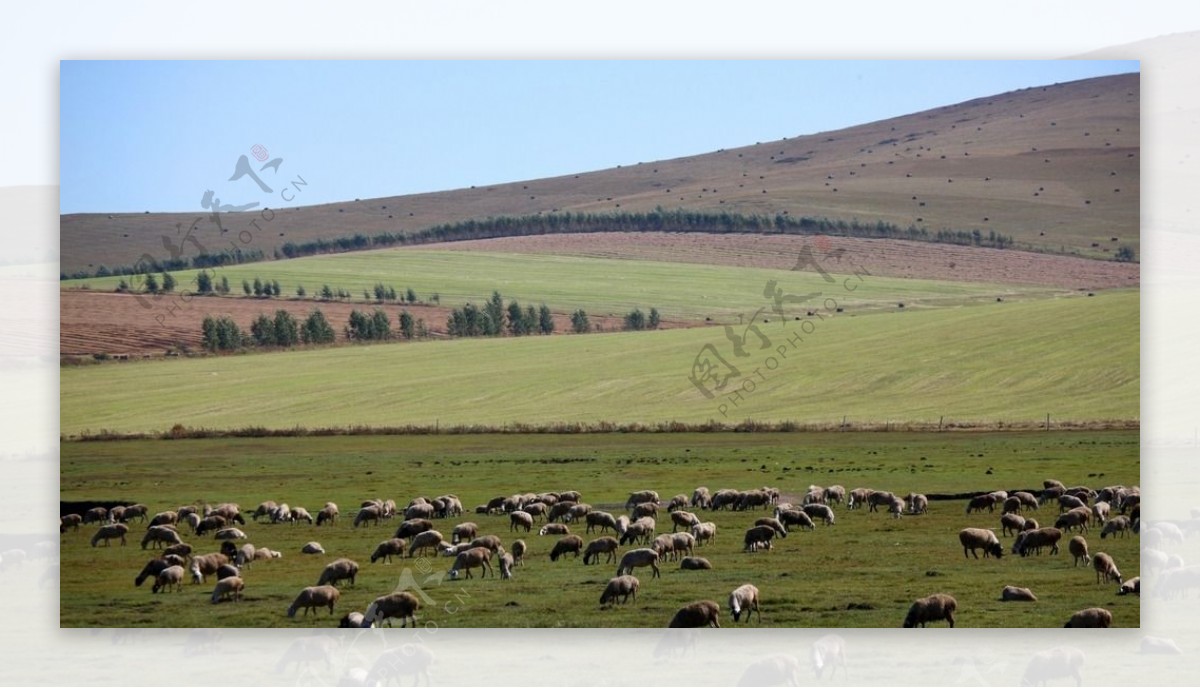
<point x="229" y="534"/>
<point x="701" y="498"/>
<point x="639" y="557"/>
<point x="815" y="495"/>
<point x="754" y="499"/>
<point x="449" y="550"/>
<point x="621" y="586"/>
<point x="1010" y="505"/>
<point x="1105" y="568"/>
<point x="69" y="521"/>
<point x="560" y="510"/>
<point x="1030" y="540"/>
<point x="96" y="514"/>
<point x="182" y="549"/>
<point x="684" y="543"/>
<point x="1095" y="617"/>
<point x="206" y="565"/>
<point x="1067" y="502"/>
<point x="263" y="509"/>
<point x="492" y="542"/>
<point x="679" y="501"/>
<point x="858" y="496"/>
<point x="792" y="517"/>
<point x="301" y="514"/>
<point x="828" y="651"/>
<point x="1101" y="510"/>
<point x="973" y="539"/>
<point x="192" y="520"/>
<point x="535" y="509"/>
<point x="637" y="532"/>
<point x="150" y="570"/>
<point x="133" y="511"/>
<point x="896" y="508"/>
<point x="1030" y="524"/>
<point x="758" y="536"/>
<point x="388" y="549"/>
<point x="724" y="498"/>
<point x="1054" y="663"/>
<point x="694" y="564"/>
<point x="424" y="541"/>
<point x="774" y="524"/>
<point x="744" y="598"/>
<point x="1028" y="501"/>
<point x="160" y="535"/>
<point x="228" y="589"/>
<point x="401" y="605"/>
<point x="622" y="525"/>
<point x="506" y="565"/>
<point x="601" y="519"/>
<point x="264" y="553"/>
<point x="419" y="511"/>
<point x="312" y="548"/>
<point x="520" y="519"/>
<point x="1051" y="493"/>
<point x="1078" y="548"/>
<point x="643" y="510"/>
<point x="568" y="544"/>
<point x="328" y="514"/>
<point x="683" y="518"/>
<point x="878" y="499"/>
<point x="1075" y="518"/>
<point x="1011" y="524"/>
<point x="981" y="502"/>
<point x="477" y="557"/>
<point x="1012" y="593"/>
<point x="169" y="576"/>
<point x="578" y="511"/>
<point x="605" y="545"/>
<point x="918" y="504"/>
<point x="641" y="497"/>
<point x="665" y="545"/>
<point x="835" y="494"/>
<point x="463" y="531"/>
<point x="518" y="552"/>
<point x="227" y="571"/>
<point x="936" y="607"/>
<point x="214" y="522"/>
<point x="570" y="495"/>
<point x="820" y="512"/>
<point x="368" y="515"/>
<point x="413" y="527"/>
<point x="108" y="532"/>
<point x="339" y="569"/>
<point x="281" y="513"/>
<point x="697" y="615"/>
<point x="1132" y="586"/>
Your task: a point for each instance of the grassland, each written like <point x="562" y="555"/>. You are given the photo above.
<point x="1074" y="358"/>
<point x="861" y="572"/>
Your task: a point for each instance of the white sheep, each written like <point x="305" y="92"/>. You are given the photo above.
<point x="744" y="598"/>
<point x="520" y="519"/>
<point x="1105" y="568"/>
<point x="312" y="548"/>
<point x="109" y="532"/>
<point x="695" y="564"/>
<point x="829" y="651"/>
<point x="339" y="569"/>
<point x="639" y="557"/>
<point x="313" y="597"/>
<point x="705" y="532"/>
<point x="973" y="539"/>
<point x="229" y="589"/>
<point x="621" y="586"/>
<point x="1078" y="548"/>
<point x="170" y="576"/>
<point x="1012" y="593"/>
<point x="506" y="566"/>
<point x="1011" y="524"/>
<point x="1116" y="526"/>
<point x="1133" y="586"/>
<point x="430" y="539"/>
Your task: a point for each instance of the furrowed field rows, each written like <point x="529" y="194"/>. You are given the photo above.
<point x="1073" y="358"/>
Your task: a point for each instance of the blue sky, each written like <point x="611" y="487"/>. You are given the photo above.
<point x="155" y="136"/>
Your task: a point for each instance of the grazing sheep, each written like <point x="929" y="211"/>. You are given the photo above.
<point x="570" y="496"/>
<point x="744" y="598"/>
<point x="160" y="535"/>
<point x="535" y="509"/>
<point x="695" y="564"/>
<point x="641" y="497"/>
<point x="918" y="504"/>
<point x="753" y="499"/>
<point x="263" y="509"/>
<point x="312" y="548"/>
<point x="97" y="514"/>
<point x="229" y="589"/>
<point x="1030" y="524"/>
<point x="108" y="532"/>
<point x="605" y="545"/>
<point x="1034" y="540"/>
<point x="388" y="549"/>
<point x="520" y="519"/>
<point x="69" y="521"/>
<point x="577" y="512"/>
<point x="492" y="542"/>
<point x="170" y="576"/>
<point x="568" y="544"/>
<point x="227" y="571"/>
<point x="560" y="510"/>
<point x="313" y="597"/>
<point x="601" y="519"/>
<point x="814" y="495"/>
<point x="1028" y="501"/>
<point x="858" y="496"/>
<point x="697" y="615"/>
<point x="518" y="552"/>
<point x="424" y="541"/>
<point x="477" y="557"/>
<point x="705" y="532"/>
<point x="182" y="549"/>
<point x="774" y="524"/>
<point x="454" y="550"/>
<point x="1057" y="662"/>
<point x="878" y="499"/>
<point x="683" y="543"/>
<point x="1117" y="525"/>
<point x="1011" y="505"/>
<point x="397" y="605"/>
<point x="829" y="651"/>
<point x="506" y="565"/>
<point x="793" y="517"/>
<point x="639" y="557"/>
<point x="665" y="545"/>
<point x="368" y="515"/>
<point x="281" y="513"/>
<point x="138" y="511"/>
<point x="701" y="498"/>
<point x="206" y="565"/>
<point x="301" y="514"/>
<point x="150" y="570"/>
<point x="973" y="539"/>
<point x="981" y="502"/>
<point x="1011" y="524"/>
<point x="1078" y="548"/>
<point x="621" y="586"/>
<point x="1095" y="617"/>
<point x="328" y="514"/>
<point x="686" y="519"/>
<point x="758" y="536"/>
<point x="820" y="512"/>
<point x="215" y="522"/>
<point x="679" y="501"/>
<point x="1052" y="494"/>
<point x="1105" y="568"/>
<point x="724" y="498"/>
<point x="1133" y="586"/>
<point x="643" y="510"/>
<point x="463" y="531"/>
<point x="244" y="556"/>
<point x="1067" y="502"/>
<point x="419" y="510"/>
<point x="339" y="569"/>
<point x="1011" y="593"/>
<point x="835" y="494"/>
<point x="192" y="520"/>
<point x="1075" y="518"/>
<point x="229" y="534"/>
<point x="636" y="532"/>
<point x="936" y="607"/>
<point x="164" y="518"/>
<point x="896" y="508"/>
<point x="413" y="527"/>
<point x="1101" y="510"/>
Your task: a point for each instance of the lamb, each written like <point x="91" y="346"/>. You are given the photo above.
<point x="506" y="565"/>
<point x="1052" y="664"/>
<point x="463" y="531"/>
<point x="757" y="536"/>
<point x="312" y="548"/>
<point x="69" y="521"/>
<point x="170" y="576"/>
<point x="697" y="615"/>
<point x="744" y="598"/>
<point x="694" y="564"/>
<point x="639" y="557"/>
<point x="206" y="565"/>
<point x="1117" y="525"/>
<point x="605" y="545"/>
<point x="1105" y="567"/>
<point x="478" y="557"/>
<point x="1078" y="548"/>
<point x="228" y="589"/>
<point x="424" y="541"/>
<point x="621" y="586"/>
<point x="413" y="527"/>
<point x="518" y="552"/>
<point x="1011" y="524"/>
<point x="601" y="519"/>
<point x="1095" y="617"/>
<point x="520" y="519"/>
<point x="918" y="504"/>
<point x="1011" y="593"/>
<point x="339" y="569"/>
<point x="109" y="532"/>
<point x="1030" y="540"/>
<point x="686" y="519"/>
<point x="160" y="535"/>
<point x="313" y="597"/>
<point x="397" y="605"/>
<point x="820" y="512"/>
<point x="973" y="539"/>
<point x="568" y="544"/>
<point x="388" y="549"/>
<point x="792" y="517"/>
<point x="368" y="515"/>
<point x="936" y="607"/>
<point x="1133" y="586"/>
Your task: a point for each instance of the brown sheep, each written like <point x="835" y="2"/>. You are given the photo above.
<point x="686" y="519"/>
<point x="936" y="607"/>
<point x="1095" y="617"/>
<point x="313" y="597"/>
<point x="108" y="532"/>
<point x="1034" y="540"/>
<point x="413" y="527"/>
<point x="463" y="531"/>
<point x="492" y="542"/>
<point x="430" y="539"/>
<point x="1011" y="524"/>
<point x="1075" y="518"/>
<point x="476" y="557"/>
<point x="229" y="589"/>
<point x="605" y="545"/>
<point x="520" y="519"/>
<point x="697" y="615"/>
<point x="1105" y="568"/>
<point x="399" y="605"/>
<point x="601" y="519"/>
<point x="973" y="539"/>
<point x="1078" y="548"/>
<point x="695" y="564"/>
<point x="518" y="552"/>
<point x="1011" y="593"/>
<point x="569" y="544"/>
<point x="388" y="549"/>
<point x="638" y="557"/>
<point x="621" y="586"/>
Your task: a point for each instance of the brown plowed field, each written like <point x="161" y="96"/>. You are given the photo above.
<point x="102" y="322"/>
<point x="883" y="257"/>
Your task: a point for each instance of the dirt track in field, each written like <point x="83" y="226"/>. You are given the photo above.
<point x="883" y="257"/>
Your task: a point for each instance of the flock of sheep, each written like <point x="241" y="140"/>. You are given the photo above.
<point x="178" y="562"/>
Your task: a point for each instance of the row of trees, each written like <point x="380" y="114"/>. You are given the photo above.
<point x="494" y="319"/>
<point x="282" y="330"/>
<point x="159" y="265"/>
<point x="637" y="320"/>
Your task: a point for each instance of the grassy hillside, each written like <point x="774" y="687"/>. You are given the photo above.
<point x="1057" y="167"/>
<point x="1073" y="357"/>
